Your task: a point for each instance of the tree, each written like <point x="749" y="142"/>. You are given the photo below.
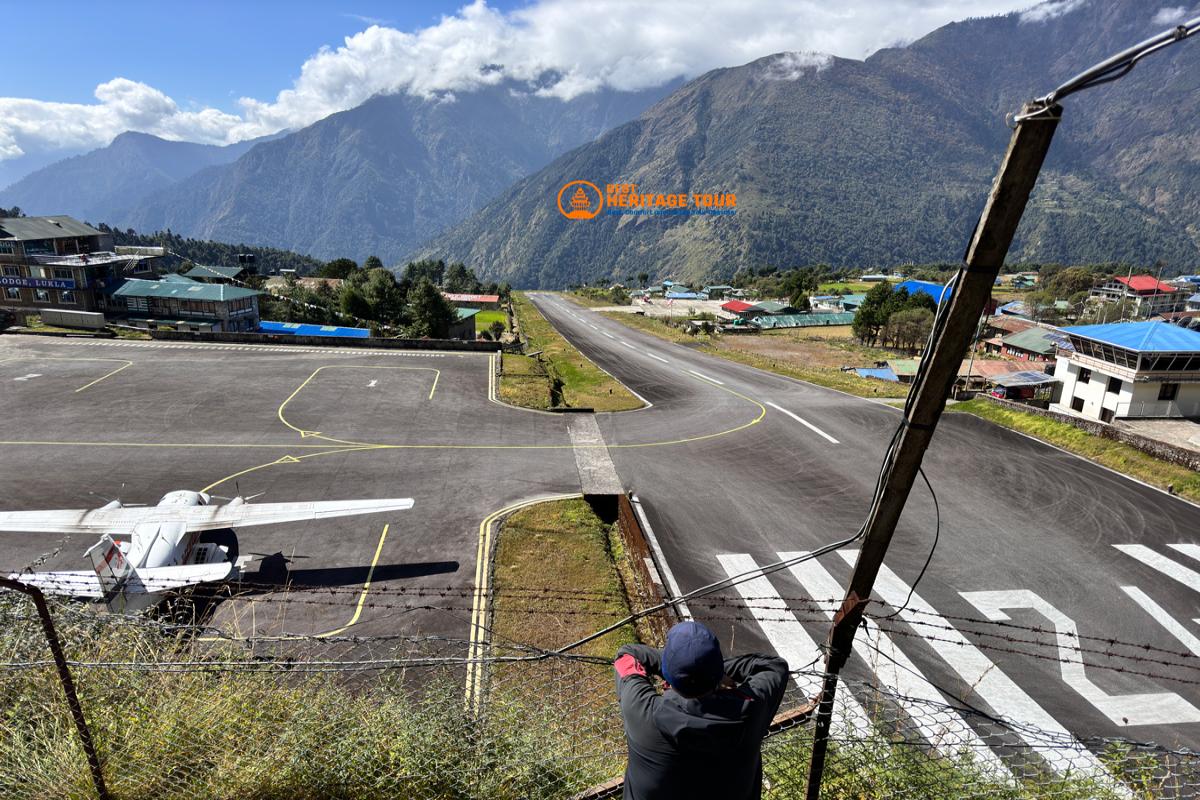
<point x="872" y="314"/>
<point x="908" y="328"/>
<point x="461" y="279"/>
<point x="431" y="270"/>
<point x="384" y="297"/>
<point x="643" y="279"/>
<point x="496" y="329"/>
<point x="354" y="304"/>
<point x="431" y="313"/>
<point x="1069" y="281"/>
<point x="801" y="303"/>
<point x="372" y="262"/>
<point x="341" y="268"/>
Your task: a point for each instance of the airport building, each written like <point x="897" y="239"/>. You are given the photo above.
<point x="1130" y="369"/>
<point x="179" y="303"/>
<point x="61" y="263"/>
<point x="1148" y="295"/>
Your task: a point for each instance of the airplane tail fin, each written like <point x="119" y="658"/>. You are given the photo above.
<point x="112" y="568"/>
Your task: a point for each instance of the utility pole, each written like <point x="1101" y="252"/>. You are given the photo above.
<point x="1031" y="137"/>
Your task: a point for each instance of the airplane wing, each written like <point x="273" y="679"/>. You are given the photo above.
<point x="165" y="579"/>
<point x="121" y="521"/>
<point x="72" y="583"/>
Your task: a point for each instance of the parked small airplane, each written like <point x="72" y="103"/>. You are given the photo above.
<point x="145" y="553"/>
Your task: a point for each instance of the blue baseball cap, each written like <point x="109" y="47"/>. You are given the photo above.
<point x="692" y="661"/>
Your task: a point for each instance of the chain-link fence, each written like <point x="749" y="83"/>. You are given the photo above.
<point x="180" y="711"/>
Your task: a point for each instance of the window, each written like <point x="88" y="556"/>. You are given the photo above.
<point x="66" y="296"/>
<point x="1085" y="375"/>
<point x="1168" y="391"/>
<point x="12" y="293"/>
<point x="8" y="248"/>
<point x="140" y="266"/>
<point x="41" y="296"/>
<point x="1114" y="386"/>
<point x="63" y="274"/>
<point x="1077" y="404"/>
<point x="12" y="272"/>
<point x="1106" y="415"/>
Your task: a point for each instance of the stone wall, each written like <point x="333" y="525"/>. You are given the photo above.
<point x="1159" y="449"/>
<point x="229" y="337"/>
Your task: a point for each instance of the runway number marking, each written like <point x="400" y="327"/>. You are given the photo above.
<point x="372" y="384"/>
<point x="984" y="677"/>
<point x="1160" y="615"/>
<point x="804" y="422"/>
<point x="1149" y="708"/>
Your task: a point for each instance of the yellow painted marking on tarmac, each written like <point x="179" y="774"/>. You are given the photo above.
<point x="362" y="598"/>
<point x="317" y="434"/>
<point x="283" y="460"/>
<point x="127" y="365"/>
<point x="178" y="445"/>
<point x="479" y="604"/>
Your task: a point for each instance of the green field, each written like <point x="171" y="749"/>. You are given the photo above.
<point x="485" y="318"/>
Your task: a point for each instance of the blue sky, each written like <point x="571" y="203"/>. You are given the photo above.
<point x="204" y="53"/>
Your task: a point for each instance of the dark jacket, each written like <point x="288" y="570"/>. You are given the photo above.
<point x="698" y="748"/>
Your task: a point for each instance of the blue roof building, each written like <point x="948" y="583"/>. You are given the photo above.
<point x="307" y="329"/>
<point x="1130" y="369"/>
<point x="934" y="290"/>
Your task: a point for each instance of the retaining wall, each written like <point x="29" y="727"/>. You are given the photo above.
<point x="1159" y="449"/>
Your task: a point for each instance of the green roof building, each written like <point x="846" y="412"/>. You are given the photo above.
<point x="180" y="303"/>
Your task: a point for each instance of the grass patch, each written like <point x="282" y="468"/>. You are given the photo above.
<point x="524" y="382"/>
<point x="552" y="557"/>
<point x="593" y="300"/>
<point x="797" y="353"/>
<point x="1112" y="454"/>
<point x="579" y="382"/>
<point x="485" y="318"/>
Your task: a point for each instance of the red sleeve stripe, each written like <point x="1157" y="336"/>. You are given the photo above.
<point x="627" y="665"/>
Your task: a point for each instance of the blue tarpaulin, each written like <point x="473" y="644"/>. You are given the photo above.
<point x="882" y="373"/>
<point x="305" y="329"/>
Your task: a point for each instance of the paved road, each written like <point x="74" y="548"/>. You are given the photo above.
<point x="1028" y="533"/>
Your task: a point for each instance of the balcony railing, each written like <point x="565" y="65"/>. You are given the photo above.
<point x="1158" y="409"/>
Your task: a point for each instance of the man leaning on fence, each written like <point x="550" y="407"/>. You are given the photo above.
<point x="701" y="737"/>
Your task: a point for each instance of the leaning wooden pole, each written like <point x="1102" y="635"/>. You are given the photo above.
<point x="989" y="245"/>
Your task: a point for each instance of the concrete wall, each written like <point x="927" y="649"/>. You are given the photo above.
<point x="329" y="341"/>
<point x="1167" y="452"/>
<point x="72" y="319"/>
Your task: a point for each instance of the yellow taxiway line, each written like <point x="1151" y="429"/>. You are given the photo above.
<point x="479" y="603"/>
<point x="362" y="598"/>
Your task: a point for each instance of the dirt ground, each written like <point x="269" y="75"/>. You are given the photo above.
<point x="832" y="346"/>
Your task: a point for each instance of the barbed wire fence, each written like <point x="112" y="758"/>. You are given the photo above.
<point x="183" y="710"/>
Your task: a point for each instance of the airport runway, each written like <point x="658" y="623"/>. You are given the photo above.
<point x="1028" y="533"/>
<point x="735" y="467"/>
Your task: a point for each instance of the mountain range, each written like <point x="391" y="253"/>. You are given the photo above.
<point x="883" y="161"/>
<point x="107" y="182"/>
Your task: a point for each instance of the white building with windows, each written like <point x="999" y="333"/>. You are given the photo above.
<point x="1130" y="369"/>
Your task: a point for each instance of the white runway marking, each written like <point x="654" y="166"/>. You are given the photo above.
<point x="793" y="643"/>
<point x="1161" y="616"/>
<point x="1146" y="708"/>
<point x="705" y="377"/>
<point x="27" y="377"/>
<point x="1172" y="569"/>
<point x="372" y="384"/>
<point x="660" y="358"/>
<point x="896" y="671"/>
<point x="803" y="422"/>
<point x="627" y="344"/>
<point x="609" y="335"/>
<point x="985" y="678"/>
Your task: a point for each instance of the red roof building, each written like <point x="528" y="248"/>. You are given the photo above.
<point x="473" y="300"/>
<point x="741" y="309"/>
<point x="1147" y="284"/>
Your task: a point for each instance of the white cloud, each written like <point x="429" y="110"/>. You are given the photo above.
<point x="1050" y="10"/>
<point x="792" y="66"/>
<point x="1168" y="15"/>
<point x="564" y="47"/>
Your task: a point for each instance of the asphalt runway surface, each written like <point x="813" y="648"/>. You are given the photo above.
<point x="1029" y="534"/>
<point x="735" y="466"/>
<point x="294" y="424"/>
